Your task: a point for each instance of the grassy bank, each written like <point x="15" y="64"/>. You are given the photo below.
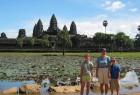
<point x="93" y="54"/>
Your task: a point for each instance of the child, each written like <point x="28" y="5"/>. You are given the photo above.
<point x="86" y="74"/>
<point x="115" y="76"/>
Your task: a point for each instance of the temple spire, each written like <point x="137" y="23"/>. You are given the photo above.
<point x="39" y="28"/>
<point x="65" y="28"/>
<point x="35" y="31"/>
<point x="53" y="29"/>
<point x="73" y="29"/>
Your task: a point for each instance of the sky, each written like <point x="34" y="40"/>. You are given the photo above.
<point x="122" y="15"/>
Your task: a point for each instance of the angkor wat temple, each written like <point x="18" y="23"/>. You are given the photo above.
<point x="78" y="41"/>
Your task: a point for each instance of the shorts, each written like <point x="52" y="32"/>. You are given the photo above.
<point x="103" y="76"/>
<point x="86" y="78"/>
<point x="114" y="84"/>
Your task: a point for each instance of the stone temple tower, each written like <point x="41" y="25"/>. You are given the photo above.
<point x="38" y="29"/>
<point x="73" y="29"/>
<point x="53" y="29"/>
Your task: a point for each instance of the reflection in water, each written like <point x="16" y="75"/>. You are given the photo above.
<point x="8" y="84"/>
<point x="130" y="79"/>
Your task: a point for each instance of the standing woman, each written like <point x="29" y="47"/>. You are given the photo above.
<point x="103" y="71"/>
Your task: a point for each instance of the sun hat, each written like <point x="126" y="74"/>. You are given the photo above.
<point x="103" y="50"/>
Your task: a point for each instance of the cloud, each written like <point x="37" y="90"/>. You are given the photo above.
<point x="107" y="2"/>
<point x="115" y="6"/>
<point x="102" y="17"/>
<point x="133" y="9"/>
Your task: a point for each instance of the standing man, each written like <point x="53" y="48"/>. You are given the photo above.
<point x="103" y="71"/>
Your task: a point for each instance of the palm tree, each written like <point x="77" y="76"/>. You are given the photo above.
<point x="105" y="23"/>
<point x="139" y="29"/>
<point x="137" y="41"/>
<point x="65" y="40"/>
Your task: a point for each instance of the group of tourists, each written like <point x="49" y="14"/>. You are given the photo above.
<point x="107" y="72"/>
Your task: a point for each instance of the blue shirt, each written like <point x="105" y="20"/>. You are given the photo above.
<point x="103" y="62"/>
<point x="87" y="67"/>
<point x="115" y="69"/>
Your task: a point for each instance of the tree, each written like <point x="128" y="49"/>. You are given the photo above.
<point x="76" y="40"/>
<point x="137" y="41"/>
<point x="98" y="39"/>
<point x="105" y="23"/>
<point x="130" y="44"/>
<point x="30" y="41"/>
<point x="139" y="29"/>
<point x="111" y="41"/>
<point x="65" y="28"/>
<point x="65" y="40"/>
<point x="3" y="35"/>
<point x="123" y="41"/>
<point x="45" y="41"/>
<point x="19" y="42"/>
<point x="120" y="39"/>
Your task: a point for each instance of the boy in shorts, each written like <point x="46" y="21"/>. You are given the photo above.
<point x="86" y="74"/>
<point x="115" y="76"/>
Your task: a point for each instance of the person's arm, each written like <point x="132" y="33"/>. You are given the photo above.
<point x="118" y="74"/>
<point x="118" y="77"/>
<point x="97" y="67"/>
<point x="109" y="69"/>
<point x="81" y="73"/>
<point x="92" y="73"/>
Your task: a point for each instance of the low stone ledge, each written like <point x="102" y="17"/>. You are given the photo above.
<point x="65" y="89"/>
<point x="30" y="89"/>
<point x="9" y="91"/>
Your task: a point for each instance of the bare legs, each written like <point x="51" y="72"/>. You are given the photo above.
<point x="87" y="88"/>
<point x="82" y="87"/>
<point x="102" y="88"/>
<point x="88" y="85"/>
<point x="112" y="91"/>
<point x="106" y="88"/>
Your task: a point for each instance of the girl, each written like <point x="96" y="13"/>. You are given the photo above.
<point x="86" y="74"/>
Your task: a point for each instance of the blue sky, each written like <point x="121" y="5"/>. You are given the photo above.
<point x="122" y="15"/>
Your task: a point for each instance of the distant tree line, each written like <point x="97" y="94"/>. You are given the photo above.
<point x="120" y="41"/>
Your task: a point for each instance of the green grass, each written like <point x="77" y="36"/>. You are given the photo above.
<point x="93" y="54"/>
<point x="9" y="54"/>
<point x="111" y="54"/>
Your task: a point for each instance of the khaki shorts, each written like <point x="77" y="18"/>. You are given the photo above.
<point x="86" y="78"/>
<point x="114" y="84"/>
<point x="103" y="75"/>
